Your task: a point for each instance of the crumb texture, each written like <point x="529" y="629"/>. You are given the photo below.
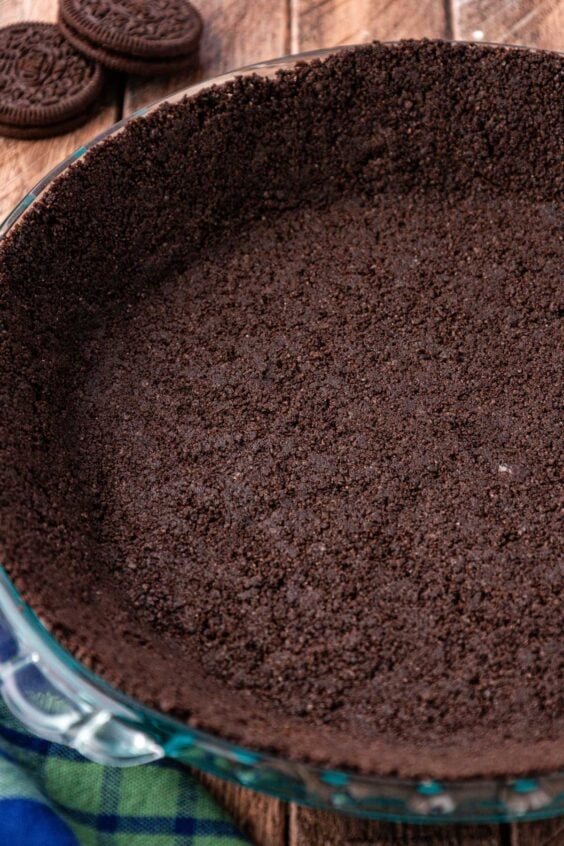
<point x="285" y="410"/>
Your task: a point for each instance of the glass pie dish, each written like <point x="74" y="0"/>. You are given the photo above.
<point x="59" y="699"/>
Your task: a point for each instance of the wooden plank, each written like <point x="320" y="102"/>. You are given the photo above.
<point x="315" y="828"/>
<point x="235" y="34"/>
<point x="308" y="827"/>
<point x="261" y="818"/>
<point x="441" y="835"/>
<point x="538" y="22"/>
<point x="325" y="23"/>
<point x="23" y="163"/>
<point x="541" y="833"/>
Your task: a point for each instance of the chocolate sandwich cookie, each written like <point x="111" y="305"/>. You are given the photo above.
<point x="36" y="133"/>
<point x="128" y="64"/>
<point x="46" y="86"/>
<point x="140" y="38"/>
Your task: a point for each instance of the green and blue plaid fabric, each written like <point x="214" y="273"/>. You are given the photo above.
<point x="51" y="796"/>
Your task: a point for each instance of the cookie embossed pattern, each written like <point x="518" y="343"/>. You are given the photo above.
<point x="45" y="84"/>
<point x="137" y="38"/>
<point x="160" y="28"/>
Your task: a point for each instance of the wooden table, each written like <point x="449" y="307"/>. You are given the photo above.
<point x="239" y="32"/>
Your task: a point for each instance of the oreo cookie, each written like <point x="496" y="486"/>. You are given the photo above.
<point x="46" y="86"/>
<point x="36" y="133"/>
<point x="139" y="38"/>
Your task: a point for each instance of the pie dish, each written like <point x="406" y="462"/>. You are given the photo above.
<point x="284" y="323"/>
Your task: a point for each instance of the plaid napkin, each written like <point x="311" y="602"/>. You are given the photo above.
<point x="52" y="796"/>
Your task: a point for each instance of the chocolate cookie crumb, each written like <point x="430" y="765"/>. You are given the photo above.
<point x="281" y="380"/>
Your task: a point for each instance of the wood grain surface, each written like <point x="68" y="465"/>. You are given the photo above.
<point x="240" y="32"/>
<point x="538" y="22"/>
<point x="325" y="23"/>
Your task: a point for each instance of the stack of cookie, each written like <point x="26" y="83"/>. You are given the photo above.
<point x="145" y="38"/>
<point x="51" y="76"/>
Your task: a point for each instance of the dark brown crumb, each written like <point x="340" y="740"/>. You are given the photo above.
<point x="281" y="419"/>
